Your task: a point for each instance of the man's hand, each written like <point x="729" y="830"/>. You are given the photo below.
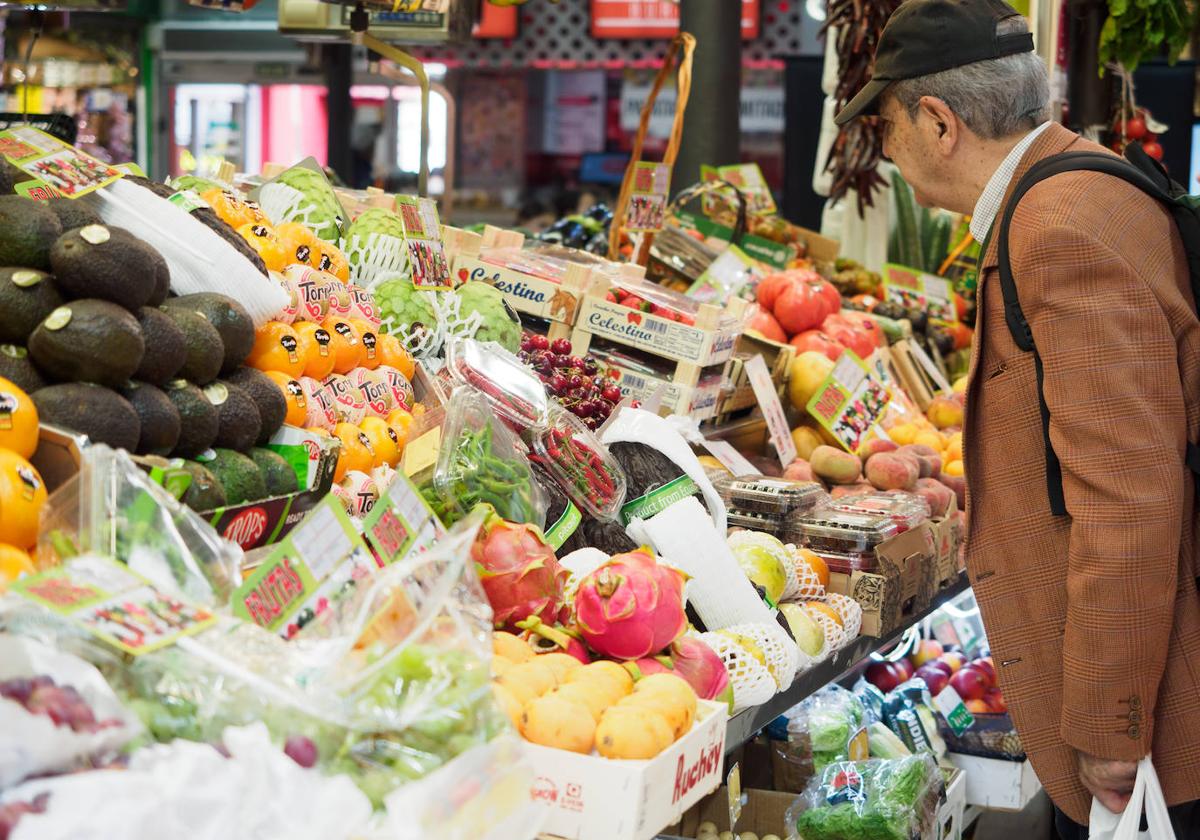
<point x="1111" y="782"/>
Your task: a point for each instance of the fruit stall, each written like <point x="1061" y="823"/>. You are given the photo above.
<point x="413" y="530"/>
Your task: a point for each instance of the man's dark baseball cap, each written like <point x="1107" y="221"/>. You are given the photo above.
<point x="928" y="36"/>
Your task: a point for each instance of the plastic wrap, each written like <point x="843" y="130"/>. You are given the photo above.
<point x="834" y="716"/>
<point x="480" y="460"/>
<point x="112" y="507"/>
<point x="870" y="800"/>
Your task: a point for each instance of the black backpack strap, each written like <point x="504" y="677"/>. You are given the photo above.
<point x="1018" y="326"/>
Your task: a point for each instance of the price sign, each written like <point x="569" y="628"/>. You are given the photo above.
<point x="914" y="289"/>
<point x="401" y="523"/>
<point x="954" y="710"/>
<point x="772" y="409"/>
<point x="733" y="460"/>
<point x="57" y="169"/>
<point x="851" y="400"/>
<point x="748" y="178"/>
<point x="422" y="232"/>
<point x="648" y="198"/>
<point x="724" y="278"/>
<point x="654" y="18"/>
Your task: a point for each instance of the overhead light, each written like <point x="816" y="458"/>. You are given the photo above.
<point x="815" y="9"/>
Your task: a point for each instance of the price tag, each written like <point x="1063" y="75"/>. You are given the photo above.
<point x="935" y="373"/>
<point x="648" y="198"/>
<point x="422" y="452"/>
<point x="858" y="746"/>
<point x="117" y="606"/>
<point x="422" y="232"/>
<point x="725" y="278"/>
<point x="954" y="710"/>
<point x="772" y="409"/>
<point x="851" y="401"/>
<point x="733" y="786"/>
<point x="914" y="289"/>
<point x="748" y="178"/>
<point x="58" y="168"/>
<point x="401" y="523"/>
<point x="733" y="460"/>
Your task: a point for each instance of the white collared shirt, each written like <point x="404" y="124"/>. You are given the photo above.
<point x="989" y="202"/>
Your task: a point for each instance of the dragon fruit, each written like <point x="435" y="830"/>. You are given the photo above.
<point x="546" y="639"/>
<point x="648" y="665"/>
<point x="631" y="606"/>
<point x="703" y="669"/>
<point x="520" y="574"/>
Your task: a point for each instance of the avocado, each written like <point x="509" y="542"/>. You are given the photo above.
<point x="272" y="407"/>
<point x="166" y="348"/>
<point x="204" y="349"/>
<point x="26" y="297"/>
<point x="205" y="492"/>
<point x="10" y="176"/>
<point x="238" y="475"/>
<point x="28" y="230"/>
<point x="100" y="413"/>
<point x="73" y="213"/>
<point x="160" y="421"/>
<point x="88" y="341"/>
<point x="198" y="418"/>
<point x="277" y="473"/>
<point x="162" y="277"/>
<point x="110" y="263"/>
<point x="16" y="367"/>
<point x="229" y="317"/>
<point x="240" y="423"/>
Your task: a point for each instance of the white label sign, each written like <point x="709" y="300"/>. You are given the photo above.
<point x="772" y="409"/>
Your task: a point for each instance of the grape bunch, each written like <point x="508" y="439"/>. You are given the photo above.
<point x="11" y="813"/>
<point x="575" y="381"/>
<point x="62" y="704"/>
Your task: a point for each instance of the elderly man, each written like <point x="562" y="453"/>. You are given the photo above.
<point x="1093" y="614"/>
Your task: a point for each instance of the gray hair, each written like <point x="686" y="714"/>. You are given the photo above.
<point x="995" y="98"/>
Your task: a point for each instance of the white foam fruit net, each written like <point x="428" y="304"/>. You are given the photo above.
<point x="792" y="588"/>
<point x="380" y="257"/>
<point x="850" y="611"/>
<point x="283" y="203"/>
<point x="752" y="683"/>
<point x="835" y="634"/>
<point x="808" y="585"/>
<point x="449" y="307"/>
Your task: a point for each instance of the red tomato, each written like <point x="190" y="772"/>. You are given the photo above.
<point x="1135" y="129"/>
<point x="799" y="308"/>
<point x="831" y="296"/>
<point x="866" y="325"/>
<point x="1153" y="149"/>
<point x="819" y="342"/>
<point x="851" y="334"/>
<point x="764" y="322"/>
<point x="768" y="289"/>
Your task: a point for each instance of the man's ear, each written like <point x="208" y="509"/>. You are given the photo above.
<point x="940" y="122"/>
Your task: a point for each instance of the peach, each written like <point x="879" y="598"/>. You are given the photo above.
<point x="799" y="470"/>
<point x="944" y="412"/>
<point x="892" y="471"/>
<point x="876" y="445"/>
<point x="928" y="459"/>
<point x="938" y="496"/>
<point x="806" y="439"/>
<point x="835" y="465"/>
<point x="959" y="485"/>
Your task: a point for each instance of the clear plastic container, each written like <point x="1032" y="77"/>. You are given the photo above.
<point x="832" y="531"/>
<point x="847" y="563"/>
<point x="513" y="391"/>
<point x="579" y="463"/>
<point x="906" y="509"/>
<point x="773" y="496"/>
<point x="753" y="521"/>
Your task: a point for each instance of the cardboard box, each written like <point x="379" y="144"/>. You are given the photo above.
<point x="946" y="538"/>
<point x="903" y="585"/>
<point x="592" y="798"/>
<point x="764" y="812"/>
<point x="57" y="456"/>
<point x="950" y="814"/>
<point x="997" y="784"/>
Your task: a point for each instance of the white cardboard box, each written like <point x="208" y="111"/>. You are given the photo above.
<point x="950" y="814"/>
<point x="997" y="784"/>
<point x="594" y="798"/>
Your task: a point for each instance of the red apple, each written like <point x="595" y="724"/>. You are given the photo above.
<point x="970" y="683"/>
<point x="954" y="659"/>
<point x="927" y="650"/>
<point x="987" y="667"/>
<point x="905" y="668"/>
<point x="939" y="665"/>
<point x="978" y="707"/>
<point x="994" y="698"/>
<point x="935" y="678"/>
<point x="884" y="675"/>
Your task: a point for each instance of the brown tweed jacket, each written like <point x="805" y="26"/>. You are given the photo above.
<point x="1094" y="618"/>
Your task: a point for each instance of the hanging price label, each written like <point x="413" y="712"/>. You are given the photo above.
<point x="914" y="289"/>
<point x="851" y="400"/>
<point x="772" y="409"/>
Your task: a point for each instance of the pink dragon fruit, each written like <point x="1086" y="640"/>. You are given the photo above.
<point x="631" y="606"/>
<point x="546" y="639"/>
<point x="520" y="574"/>
<point x="704" y="671"/>
<point x="648" y="665"/>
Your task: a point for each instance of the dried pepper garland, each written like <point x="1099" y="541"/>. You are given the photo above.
<point x="858" y="149"/>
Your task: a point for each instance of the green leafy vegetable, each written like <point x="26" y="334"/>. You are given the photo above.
<point x="870" y="800"/>
<point x="1137" y="30"/>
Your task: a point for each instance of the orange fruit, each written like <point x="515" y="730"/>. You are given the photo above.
<point x="293" y="393"/>
<point x="820" y="569"/>
<point x="14" y="562"/>
<point x="345" y="343"/>
<point x="300" y="245"/>
<point x="314" y="348"/>
<point x="22" y="495"/>
<point x="232" y="209"/>
<point x="384" y="440"/>
<point x="331" y="260"/>
<point x="357" y="453"/>
<point x="391" y="351"/>
<point x="401" y="420"/>
<point x="824" y="609"/>
<point x="261" y="237"/>
<point x="276" y="347"/>
<point x="369" y="336"/>
<point x="18" y="420"/>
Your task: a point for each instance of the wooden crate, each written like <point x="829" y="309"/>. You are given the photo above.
<point x="690" y="347"/>
<point x="778" y="358"/>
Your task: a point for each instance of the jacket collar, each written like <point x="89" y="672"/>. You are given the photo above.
<point x="1052" y="141"/>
